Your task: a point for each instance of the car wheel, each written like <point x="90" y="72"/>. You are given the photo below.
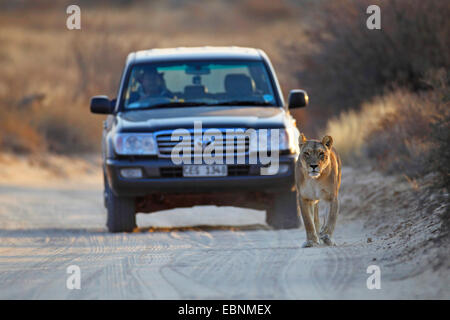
<point x="284" y="213"/>
<point x="105" y="191"/>
<point x="121" y="215"/>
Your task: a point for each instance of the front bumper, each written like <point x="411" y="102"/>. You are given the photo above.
<point x="155" y="181"/>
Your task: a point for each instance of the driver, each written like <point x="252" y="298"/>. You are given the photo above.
<point x="153" y="85"/>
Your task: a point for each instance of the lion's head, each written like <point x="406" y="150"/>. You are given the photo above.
<point x="315" y="155"/>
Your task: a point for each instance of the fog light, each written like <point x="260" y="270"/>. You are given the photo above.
<point x="272" y="169"/>
<point x="131" y="173"/>
<point x="283" y="168"/>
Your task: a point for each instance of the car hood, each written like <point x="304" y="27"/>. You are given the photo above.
<point x="210" y="117"/>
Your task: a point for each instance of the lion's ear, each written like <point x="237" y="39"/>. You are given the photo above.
<point x="327" y="141"/>
<point x="302" y="139"/>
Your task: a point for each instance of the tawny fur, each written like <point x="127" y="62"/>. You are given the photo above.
<point x="318" y="178"/>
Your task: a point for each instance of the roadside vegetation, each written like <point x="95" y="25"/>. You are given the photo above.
<point x="386" y="93"/>
<point x="382" y="94"/>
<point x="388" y="88"/>
<point x="399" y="132"/>
<point x="48" y="73"/>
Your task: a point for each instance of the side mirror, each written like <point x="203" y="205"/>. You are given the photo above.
<point x="102" y="105"/>
<point x="297" y="99"/>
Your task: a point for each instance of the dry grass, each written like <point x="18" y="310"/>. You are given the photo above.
<point x="50" y="170"/>
<point x="48" y="73"/>
<point x="401" y="132"/>
<point x="351" y="64"/>
<point x="351" y="128"/>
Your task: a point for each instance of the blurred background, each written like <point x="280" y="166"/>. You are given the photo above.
<point x="382" y="94"/>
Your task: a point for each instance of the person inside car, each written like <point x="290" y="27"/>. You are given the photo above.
<point x="153" y="85"/>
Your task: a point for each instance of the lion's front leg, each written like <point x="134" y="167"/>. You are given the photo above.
<point x="316" y="217"/>
<point x="307" y="210"/>
<point x="326" y="234"/>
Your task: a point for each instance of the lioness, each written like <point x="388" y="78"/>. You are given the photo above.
<point x="318" y="173"/>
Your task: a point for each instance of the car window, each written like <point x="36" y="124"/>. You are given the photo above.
<point x="207" y="82"/>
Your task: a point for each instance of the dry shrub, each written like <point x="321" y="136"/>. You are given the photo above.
<point x="440" y="133"/>
<point x="351" y="64"/>
<point x="44" y="98"/>
<point x="266" y="9"/>
<point x="67" y="130"/>
<point x="400" y="132"/>
<point x="401" y="140"/>
<point x="341" y="62"/>
<point x="408" y="139"/>
<point x="48" y="73"/>
<point x="18" y="136"/>
<point x="48" y="128"/>
<point x="98" y="62"/>
<point x="351" y="128"/>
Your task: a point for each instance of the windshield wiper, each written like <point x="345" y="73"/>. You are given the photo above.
<point x="203" y="104"/>
<point x="171" y="104"/>
<point x="241" y="103"/>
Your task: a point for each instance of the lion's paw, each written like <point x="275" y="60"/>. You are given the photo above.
<point x="310" y="244"/>
<point x="326" y="239"/>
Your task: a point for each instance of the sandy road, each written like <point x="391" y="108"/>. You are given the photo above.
<point x="198" y="253"/>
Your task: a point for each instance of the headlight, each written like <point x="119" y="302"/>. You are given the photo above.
<point x="135" y="144"/>
<point x="283" y="140"/>
<point x="289" y="140"/>
<point x="262" y="140"/>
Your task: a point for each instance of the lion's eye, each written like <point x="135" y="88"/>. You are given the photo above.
<point x="306" y="154"/>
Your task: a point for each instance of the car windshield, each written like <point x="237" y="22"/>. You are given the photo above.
<point x="198" y="83"/>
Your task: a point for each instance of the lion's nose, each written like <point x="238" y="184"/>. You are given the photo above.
<point x="313" y="166"/>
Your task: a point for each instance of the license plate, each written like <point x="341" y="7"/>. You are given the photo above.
<point x="205" y="171"/>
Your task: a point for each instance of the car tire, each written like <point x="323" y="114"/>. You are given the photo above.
<point x="105" y="191"/>
<point x="284" y="213"/>
<point x="121" y="214"/>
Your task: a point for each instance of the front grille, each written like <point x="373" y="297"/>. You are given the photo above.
<point x="234" y="145"/>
